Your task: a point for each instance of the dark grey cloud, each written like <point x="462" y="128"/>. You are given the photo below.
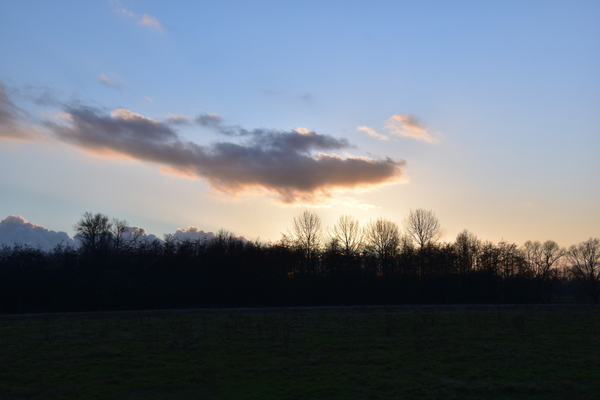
<point x="292" y="165"/>
<point x="16" y="229"/>
<point x="90" y="127"/>
<point x="300" y="139"/>
<point x="285" y="163"/>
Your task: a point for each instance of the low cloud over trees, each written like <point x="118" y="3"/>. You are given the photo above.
<point x="117" y="266"/>
<point x="16" y="229"/>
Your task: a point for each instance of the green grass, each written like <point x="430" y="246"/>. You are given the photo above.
<point x="490" y="352"/>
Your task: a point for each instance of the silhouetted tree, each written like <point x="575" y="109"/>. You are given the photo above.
<point x="348" y="235"/>
<point x="423" y="226"/>
<point x="467" y="248"/>
<point x="307" y="233"/>
<point x="382" y="238"/>
<point x="585" y="265"/>
<point x="540" y="258"/>
<point x="94" y="233"/>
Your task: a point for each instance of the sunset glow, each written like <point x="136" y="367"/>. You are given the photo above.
<point x="242" y="115"/>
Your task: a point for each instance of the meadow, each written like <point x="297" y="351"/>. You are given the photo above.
<point x="412" y="352"/>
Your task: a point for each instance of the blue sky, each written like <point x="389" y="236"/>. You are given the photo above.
<point x="496" y="125"/>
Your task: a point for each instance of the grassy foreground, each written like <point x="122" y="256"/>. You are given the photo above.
<point x="519" y="352"/>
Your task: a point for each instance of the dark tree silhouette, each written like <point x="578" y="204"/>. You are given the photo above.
<point x="423" y="226"/>
<point x="467" y="248"/>
<point x="307" y="233"/>
<point x="382" y="238"/>
<point x="585" y="265"/>
<point x="541" y="258"/>
<point x="94" y="232"/>
<point x="347" y="233"/>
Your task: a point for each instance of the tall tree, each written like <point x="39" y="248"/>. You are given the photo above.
<point x="423" y="226"/>
<point x="383" y="238"/>
<point x="307" y="233"/>
<point x="348" y="235"/>
<point x="94" y="232"/>
<point x="467" y="247"/>
<point x="585" y="265"/>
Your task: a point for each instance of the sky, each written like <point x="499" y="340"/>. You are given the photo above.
<point x="197" y="116"/>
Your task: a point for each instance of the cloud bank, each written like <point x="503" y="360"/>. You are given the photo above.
<point x="16" y="229"/>
<point x="295" y="166"/>
<point x="193" y="233"/>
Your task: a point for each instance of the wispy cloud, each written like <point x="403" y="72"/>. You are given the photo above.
<point x="177" y="119"/>
<point x="126" y="12"/>
<point x="406" y="125"/>
<point x="14" y="123"/>
<point x="105" y="80"/>
<point x="402" y="125"/>
<point x="371" y="132"/>
<point x="151" y="22"/>
<point x="144" y="20"/>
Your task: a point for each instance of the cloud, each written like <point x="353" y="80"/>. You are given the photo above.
<point x="151" y="22"/>
<point x="295" y="166"/>
<point x="13" y="121"/>
<point x="371" y="132"/>
<point x="16" y="229"/>
<point x="173" y="119"/>
<point x="126" y="12"/>
<point x="145" y="20"/>
<point x="108" y="82"/>
<point x="150" y="100"/>
<point x="193" y="233"/>
<point x="133" y="232"/>
<point x="406" y="125"/>
<point x="290" y="165"/>
<point x="40" y="95"/>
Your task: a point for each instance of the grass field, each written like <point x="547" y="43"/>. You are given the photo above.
<point x="506" y="352"/>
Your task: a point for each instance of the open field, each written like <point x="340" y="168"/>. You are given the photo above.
<point x="470" y="352"/>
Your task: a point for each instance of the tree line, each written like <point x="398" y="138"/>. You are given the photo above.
<point x="117" y="268"/>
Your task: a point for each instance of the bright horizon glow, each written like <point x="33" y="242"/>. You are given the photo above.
<point x="171" y="117"/>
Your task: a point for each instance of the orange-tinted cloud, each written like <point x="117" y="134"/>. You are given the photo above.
<point x="281" y="163"/>
<point x="295" y="166"/>
<point x="151" y="22"/>
<point x="406" y="125"/>
<point x="371" y="132"/>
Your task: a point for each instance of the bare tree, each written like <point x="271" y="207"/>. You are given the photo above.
<point x="423" y="226"/>
<point x="541" y="257"/>
<point x="585" y="265"/>
<point x="94" y="232"/>
<point x="467" y="247"/>
<point x="118" y="229"/>
<point x="307" y="234"/>
<point x="383" y="238"/>
<point x="347" y="235"/>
